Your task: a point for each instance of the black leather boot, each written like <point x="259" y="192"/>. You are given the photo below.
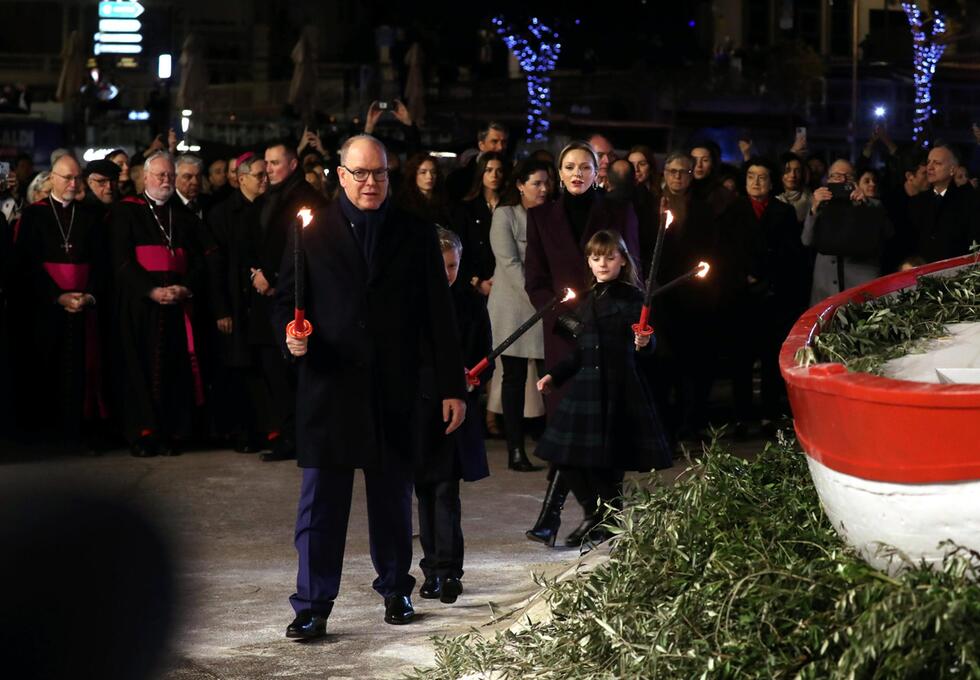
<point x="591" y="530"/>
<point x="517" y="460"/>
<point x="545" y="530"/>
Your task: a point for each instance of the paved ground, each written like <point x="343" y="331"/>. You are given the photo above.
<point x="231" y="517"/>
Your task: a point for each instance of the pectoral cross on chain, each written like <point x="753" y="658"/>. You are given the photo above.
<point x="67" y="247"/>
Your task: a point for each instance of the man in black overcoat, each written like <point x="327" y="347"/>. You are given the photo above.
<point x="242" y="400"/>
<point x="288" y="192"/>
<point x="375" y="288"/>
<point x="946" y="217"/>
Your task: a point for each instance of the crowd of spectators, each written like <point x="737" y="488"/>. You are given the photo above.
<point x="781" y="233"/>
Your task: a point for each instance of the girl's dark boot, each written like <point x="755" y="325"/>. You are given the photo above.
<point x="545" y="530"/>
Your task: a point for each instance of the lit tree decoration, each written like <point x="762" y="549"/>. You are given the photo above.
<point x="537" y="52"/>
<point x="926" y="53"/>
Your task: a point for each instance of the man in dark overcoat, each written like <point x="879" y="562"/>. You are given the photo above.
<point x="375" y="289"/>
<point x="288" y="192"/>
<point x="242" y="402"/>
<point x="945" y="218"/>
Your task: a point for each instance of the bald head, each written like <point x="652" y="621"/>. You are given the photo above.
<point x="363" y="172"/>
<point x="941" y="167"/>
<point x="65" y="178"/>
<point x="360" y="141"/>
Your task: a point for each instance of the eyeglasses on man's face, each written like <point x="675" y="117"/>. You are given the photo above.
<point x="676" y="173"/>
<point x="160" y="176"/>
<point x="259" y="176"/>
<point x="68" y="178"/>
<point x="840" y="177"/>
<point x="361" y="174"/>
<point x="102" y="181"/>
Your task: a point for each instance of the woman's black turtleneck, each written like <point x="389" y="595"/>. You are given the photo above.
<point x="577" y="208"/>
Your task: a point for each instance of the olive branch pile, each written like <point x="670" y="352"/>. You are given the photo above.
<point x="865" y="336"/>
<point x="734" y="572"/>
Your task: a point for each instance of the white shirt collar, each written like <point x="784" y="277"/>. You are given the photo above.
<point x="63" y="202"/>
<point x="941" y="193"/>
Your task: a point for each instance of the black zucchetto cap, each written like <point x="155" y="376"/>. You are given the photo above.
<point x="103" y="167"/>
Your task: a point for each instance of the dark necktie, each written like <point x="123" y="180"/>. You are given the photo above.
<point x="192" y="206"/>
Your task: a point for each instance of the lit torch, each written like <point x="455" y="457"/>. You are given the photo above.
<point x="642" y="327"/>
<point x="700" y="272"/>
<point x="473" y="374"/>
<point x="299" y="327"/>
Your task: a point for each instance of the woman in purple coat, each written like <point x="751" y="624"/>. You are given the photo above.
<point x="556" y="237"/>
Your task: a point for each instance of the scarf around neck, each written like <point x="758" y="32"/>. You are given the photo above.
<point x="366" y="224"/>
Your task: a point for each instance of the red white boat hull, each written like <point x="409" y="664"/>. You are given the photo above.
<point x="894" y="462"/>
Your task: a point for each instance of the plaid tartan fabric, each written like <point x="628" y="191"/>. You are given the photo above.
<point x="607" y="418"/>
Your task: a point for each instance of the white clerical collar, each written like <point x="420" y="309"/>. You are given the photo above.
<point x="157" y="201"/>
<point x="64" y="203"/>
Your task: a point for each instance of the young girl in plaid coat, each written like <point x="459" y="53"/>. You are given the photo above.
<point x="607" y="423"/>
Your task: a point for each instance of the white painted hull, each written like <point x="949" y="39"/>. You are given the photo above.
<point x="913" y="518"/>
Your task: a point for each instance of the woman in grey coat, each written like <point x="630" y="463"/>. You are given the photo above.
<point x="509" y="305"/>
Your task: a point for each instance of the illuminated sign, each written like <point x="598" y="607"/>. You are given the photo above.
<point x="120" y="9"/>
<point x="119" y="27"/>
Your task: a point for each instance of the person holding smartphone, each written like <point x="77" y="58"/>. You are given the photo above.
<point x="848" y="230"/>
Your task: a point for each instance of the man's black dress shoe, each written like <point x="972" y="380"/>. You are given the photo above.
<point x="452" y="588"/>
<point x="307" y="626"/>
<point x="432" y="588"/>
<point x="399" y="610"/>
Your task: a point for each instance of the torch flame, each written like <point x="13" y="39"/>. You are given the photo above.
<point x="703" y="269"/>
<point x="569" y="295"/>
<point x="306" y="215"/>
<point x="669" y="221"/>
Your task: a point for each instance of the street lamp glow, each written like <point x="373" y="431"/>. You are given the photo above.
<point x="880" y="111"/>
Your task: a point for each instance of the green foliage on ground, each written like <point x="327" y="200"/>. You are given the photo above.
<point x="865" y="336"/>
<point x="734" y="572"/>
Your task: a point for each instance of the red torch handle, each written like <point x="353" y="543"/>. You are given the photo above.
<point x="473" y="375"/>
<point x="299" y="327"/>
<point x="643" y="327"/>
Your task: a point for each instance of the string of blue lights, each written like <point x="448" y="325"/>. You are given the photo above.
<point x="536" y="50"/>
<point x="926" y="53"/>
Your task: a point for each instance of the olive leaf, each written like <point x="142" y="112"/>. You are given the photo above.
<point x="866" y="335"/>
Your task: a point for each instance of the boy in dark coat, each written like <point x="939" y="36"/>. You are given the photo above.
<point x="442" y="460"/>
